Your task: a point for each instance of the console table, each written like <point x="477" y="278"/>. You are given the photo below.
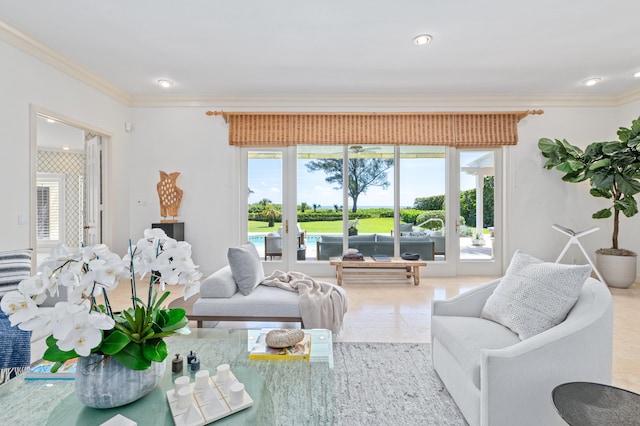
<point x="369" y="266"/>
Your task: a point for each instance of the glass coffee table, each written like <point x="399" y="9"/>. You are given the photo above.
<point x="284" y="392"/>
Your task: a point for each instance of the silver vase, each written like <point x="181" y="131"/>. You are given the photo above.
<point x="111" y="384"/>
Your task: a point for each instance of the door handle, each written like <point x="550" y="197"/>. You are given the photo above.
<point x="457" y="227"/>
<point x="286" y="226"/>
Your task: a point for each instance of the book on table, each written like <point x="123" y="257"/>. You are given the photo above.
<point x="381" y="258"/>
<point x="353" y="256"/>
<point x="301" y="351"/>
<point x="42" y="371"/>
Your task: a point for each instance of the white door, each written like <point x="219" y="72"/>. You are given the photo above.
<point x="477" y="190"/>
<point x="93" y="190"/>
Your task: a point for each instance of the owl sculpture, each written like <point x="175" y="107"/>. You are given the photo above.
<point x="170" y="195"/>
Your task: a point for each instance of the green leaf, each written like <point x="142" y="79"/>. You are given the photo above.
<point x="53" y="353"/>
<point x="572" y="150"/>
<point x="609" y="148"/>
<point x="131" y="356"/>
<point x="114" y="342"/>
<point x="156" y="305"/>
<point x="547" y="145"/>
<point x="628" y="185"/>
<point x="635" y="127"/>
<point x="602" y="214"/>
<point x="603" y="193"/>
<point x="602" y="179"/>
<point x="605" y="162"/>
<point x="631" y="206"/>
<point x="155" y="350"/>
<point x="624" y="134"/>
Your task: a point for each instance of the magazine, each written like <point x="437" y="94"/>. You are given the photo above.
<point x="300" y="351"/>
<point x="42" y="371"/>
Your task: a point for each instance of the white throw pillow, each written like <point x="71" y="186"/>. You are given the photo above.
<point x="534" y="296"/>
<point x="246" y="267"/>
<point x="219" y="284"/>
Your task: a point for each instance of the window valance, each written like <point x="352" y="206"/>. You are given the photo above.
<point x="459" y="129"/>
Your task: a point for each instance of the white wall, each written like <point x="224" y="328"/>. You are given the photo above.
<point x="26" y="81"/>
<point x="185" y="140"/>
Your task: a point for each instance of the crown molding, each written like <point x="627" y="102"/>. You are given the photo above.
<point x="61" y="62"/>
<point x="368" y="101"/>
<point x="533" y="101"/>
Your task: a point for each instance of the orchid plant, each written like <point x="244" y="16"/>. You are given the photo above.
<point x="83" y="326"/>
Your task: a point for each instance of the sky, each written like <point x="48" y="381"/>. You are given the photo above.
<point x="419" y="178"/>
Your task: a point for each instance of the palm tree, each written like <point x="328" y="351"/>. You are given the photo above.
<point x="270" y="213"/>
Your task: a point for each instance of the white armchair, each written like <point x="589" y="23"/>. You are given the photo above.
<point x="496" y="379"/>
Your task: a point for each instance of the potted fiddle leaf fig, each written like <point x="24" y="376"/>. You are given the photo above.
<point x="613" y="171"/>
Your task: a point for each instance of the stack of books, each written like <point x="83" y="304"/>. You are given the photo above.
<point x="353" y="256"/>
<point x="301" y="351"/>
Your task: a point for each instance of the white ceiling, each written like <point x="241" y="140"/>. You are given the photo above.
<point x="344" y="47"/>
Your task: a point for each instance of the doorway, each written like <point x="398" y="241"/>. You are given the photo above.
<point x="68" y="165"/>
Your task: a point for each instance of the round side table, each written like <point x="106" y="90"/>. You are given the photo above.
<point x="585" y="404"/>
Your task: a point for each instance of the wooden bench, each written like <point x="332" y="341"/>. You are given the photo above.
<point x="369" y="266"/>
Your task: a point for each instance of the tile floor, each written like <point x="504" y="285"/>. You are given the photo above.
<point x="397" y="311"/>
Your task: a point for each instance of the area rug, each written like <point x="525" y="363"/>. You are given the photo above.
<point x="390" y="384"/>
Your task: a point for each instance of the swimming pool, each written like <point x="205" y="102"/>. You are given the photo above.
<point x="259" y="239"/>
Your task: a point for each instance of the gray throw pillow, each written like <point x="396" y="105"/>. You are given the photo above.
<point x="534" y="296"/>
<point x="219" y="284"/>
<point x="246" y="267"/>
<point x="15" y="266"/>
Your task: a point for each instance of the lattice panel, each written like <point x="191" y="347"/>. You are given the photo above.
<point x="72" y="166"/>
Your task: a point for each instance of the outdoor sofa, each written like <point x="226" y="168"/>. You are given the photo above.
<point x="329" y="246"/>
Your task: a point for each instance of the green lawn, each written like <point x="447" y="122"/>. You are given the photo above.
<point x="382" y="225"/>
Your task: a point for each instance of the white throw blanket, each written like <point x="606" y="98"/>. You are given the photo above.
<point x="321" y="304"/>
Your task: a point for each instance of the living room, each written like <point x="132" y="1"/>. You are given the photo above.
<point x="150" y="129"/>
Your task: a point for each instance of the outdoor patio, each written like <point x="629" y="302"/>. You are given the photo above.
<point x="467" y="250"/>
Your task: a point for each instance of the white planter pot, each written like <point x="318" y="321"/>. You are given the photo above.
<point x="617" y="271"/>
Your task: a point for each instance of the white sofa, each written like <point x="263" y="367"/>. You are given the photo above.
<point x="498" y="380"/>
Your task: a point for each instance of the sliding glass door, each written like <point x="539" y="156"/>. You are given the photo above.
<point x="309" y="203"/>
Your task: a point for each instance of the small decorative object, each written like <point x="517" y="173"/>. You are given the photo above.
<point x="195" y="364"/>
<point x="177" y="364"/>
<point x="284" y="338"/>
<point x="191" y="356"/>
<point x="207" y="399"/>
<point x="170" y="195"/>
<point x="82" y="327"/>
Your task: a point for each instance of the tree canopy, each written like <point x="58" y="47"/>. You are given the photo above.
<point x="364" y="173"/>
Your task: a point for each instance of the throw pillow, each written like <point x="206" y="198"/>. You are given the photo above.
<point x="219" y="284"/>
<point x="534" y="296"/>
<point x="15" y="266"/>
<point x="246" y="267"/>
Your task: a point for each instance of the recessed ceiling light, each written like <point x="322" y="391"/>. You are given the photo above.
<point x="66" y="147"/>
<point x="636" y="74"/>
<point x="591" y="81"/>
<point x="422" y="39"/>
<point x="165" y="83"/>
<point x="51" y="120"/>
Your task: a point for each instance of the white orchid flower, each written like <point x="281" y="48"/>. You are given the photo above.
<point x="81" y="332"/>
<point x="190" y="289"/>
<point x="42" y="320"/>
<point x="18" y="307"/>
